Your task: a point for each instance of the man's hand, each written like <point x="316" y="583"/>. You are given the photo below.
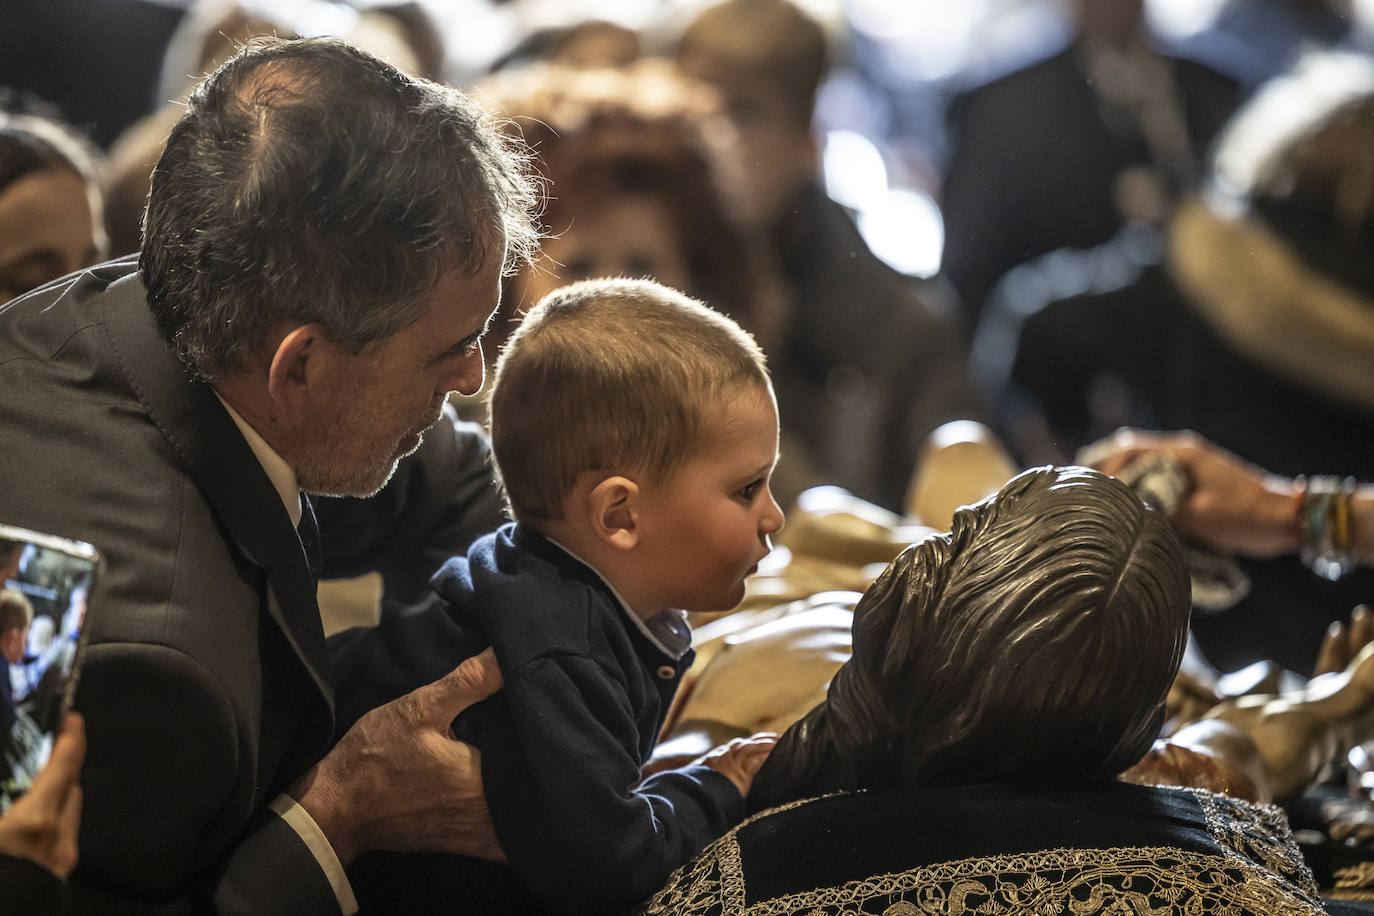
<point x="739" y="759"/>
<point x="42" y="825"/>
<point x="399" y="781"/>
<point x="1233" y="506"/>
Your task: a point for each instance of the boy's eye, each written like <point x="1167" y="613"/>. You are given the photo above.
<point x="748" y="490"/>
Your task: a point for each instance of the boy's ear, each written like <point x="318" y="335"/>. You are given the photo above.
<point x="613" y="511"/>
<point x="296" y="364"/>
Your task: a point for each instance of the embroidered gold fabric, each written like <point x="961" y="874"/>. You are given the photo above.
<point x="1355" y="882"/>
<point x="1260" y="871"/>
<point x="1259" y="833"/>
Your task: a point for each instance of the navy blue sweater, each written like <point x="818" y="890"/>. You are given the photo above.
<point x="564" y="741"/>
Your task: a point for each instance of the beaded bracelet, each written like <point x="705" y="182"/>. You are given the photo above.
<point x="1325" y="531"/>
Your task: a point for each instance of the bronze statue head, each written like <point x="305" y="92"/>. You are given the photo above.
<point x="1037" y="639"/>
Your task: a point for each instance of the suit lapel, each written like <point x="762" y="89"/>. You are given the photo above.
<point x="225" y="469"/>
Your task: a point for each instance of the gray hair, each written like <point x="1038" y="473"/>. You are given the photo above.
<point x="309" y="181"/>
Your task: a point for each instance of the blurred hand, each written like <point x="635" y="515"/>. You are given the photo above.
<point x="43" y="824"/>
<point x="739" y="759"/>
<point x="1233" y="506"/>
<point x="399" y="781"/>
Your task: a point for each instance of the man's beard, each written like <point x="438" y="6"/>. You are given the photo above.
<point x="333" y="468"/>
<point x="334" y="478"/>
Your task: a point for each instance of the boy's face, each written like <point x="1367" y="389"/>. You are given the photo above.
<point x="706" y="529"/>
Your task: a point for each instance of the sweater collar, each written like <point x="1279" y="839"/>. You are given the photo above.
<point x="667" y="630"/>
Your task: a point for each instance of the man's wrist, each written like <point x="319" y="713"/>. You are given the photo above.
<point x="1279" y="512"/>
<point x="305" y="827"/>
<point x="326" y="801"/>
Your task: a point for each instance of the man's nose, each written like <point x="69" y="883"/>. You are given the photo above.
<point x="469" y="375"/>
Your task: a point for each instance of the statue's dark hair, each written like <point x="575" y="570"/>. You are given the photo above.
<point x="1035" y="640"/>
<point x="309" y="181"/>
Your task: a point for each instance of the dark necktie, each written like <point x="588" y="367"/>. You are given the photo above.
<point x="309" y="531"/>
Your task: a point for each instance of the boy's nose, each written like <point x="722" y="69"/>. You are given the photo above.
<point x="772" y="520"/>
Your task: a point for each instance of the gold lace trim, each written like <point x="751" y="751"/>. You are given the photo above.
<point x="1131" y="881"/>
<point x="1258" y="833"/>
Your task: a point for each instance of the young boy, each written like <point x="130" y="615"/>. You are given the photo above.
<point x="635" y="431"/>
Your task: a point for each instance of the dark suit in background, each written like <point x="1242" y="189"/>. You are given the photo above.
<point x="99" y="63"/>
<point x="870" y="364"/>
<point x="1036" y="160"/>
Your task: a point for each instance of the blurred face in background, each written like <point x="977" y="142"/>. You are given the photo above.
<point x="49" y="226"/>
<point x="625" y="236"/>
<point x="777" y="149"/>
<point x="1113" y="22"/>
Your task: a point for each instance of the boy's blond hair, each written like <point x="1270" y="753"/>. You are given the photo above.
<point x="610" y="375"/>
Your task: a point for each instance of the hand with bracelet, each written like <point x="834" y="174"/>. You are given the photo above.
<point x="1236" y="507"/>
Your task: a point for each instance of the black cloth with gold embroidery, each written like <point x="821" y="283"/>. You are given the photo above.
<point x="1085" y="849"/>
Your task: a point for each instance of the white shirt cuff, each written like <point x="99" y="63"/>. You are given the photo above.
<point x="299" y="820"/>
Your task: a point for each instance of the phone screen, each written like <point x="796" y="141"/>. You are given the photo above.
<point x="44" y="585"/>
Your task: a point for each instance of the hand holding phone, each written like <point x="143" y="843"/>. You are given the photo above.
<point x="45" y="582"/>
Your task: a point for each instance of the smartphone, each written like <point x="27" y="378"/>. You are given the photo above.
<point x="45" y="583"/>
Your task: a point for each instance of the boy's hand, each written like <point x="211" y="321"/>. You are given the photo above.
<point x="739" y="759"/>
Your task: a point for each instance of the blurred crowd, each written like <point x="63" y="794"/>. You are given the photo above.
<point x="1142" y="216"/>
<point x="906" y="206"/>
<point x="1056" y="218"/>
<point x="1136" y="214"/>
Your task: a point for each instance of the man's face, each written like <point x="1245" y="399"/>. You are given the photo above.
<point x="707" y="528"/>
<point x="376" y="405"/>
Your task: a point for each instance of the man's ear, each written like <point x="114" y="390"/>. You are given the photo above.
<point x="613" y="511"/>
<point x="296" y="365"/>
